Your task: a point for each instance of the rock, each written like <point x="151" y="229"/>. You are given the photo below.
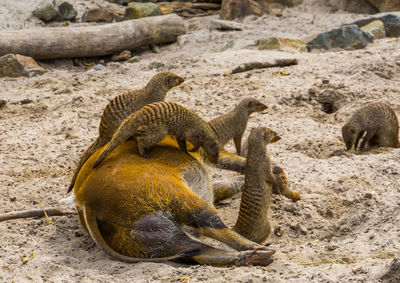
<point x="98" y="67"/>
<point x="391" y="22"/>
<point x="233" y="9"/>
<point x="100" y="15"/>
<point x="290" y="3"/>
<point x="225" y="25"/>
<point x="136" y="10"/>
<point x="123" y="56"/>
<point x="15" y="65"/>
<point x="282" y="44"/>
<point x="66" y="11"/>
<point x="360" y="6"/>
<point x="386" y="5"/>
<point x="55" y="10"/>
<point x="121" y="2"/>
<point x="46" y="11"/>
<point x="349" y="37"/>
<point x="392" y="25"/>
<point x="376" y="28"/>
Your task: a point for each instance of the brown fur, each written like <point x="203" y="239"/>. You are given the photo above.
<point x="375" y="124"/>
<point x="257" y="189"/>
<point x="232" y="125"/>
<point x="136" y="208"/>
<point x="124" y="105"/>
<point x="155" y="121"/>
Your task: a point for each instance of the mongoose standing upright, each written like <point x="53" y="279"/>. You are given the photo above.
<point x="377" y="121"/>
<point x="122" y="106"/>
<point x="155" y="121"/>
<point x="257" y="189"/>
<point x="232" y="125"/>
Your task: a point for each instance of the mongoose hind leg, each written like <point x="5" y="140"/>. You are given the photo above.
<point x="147" y="137"/>
<point x="238" y="142"/>
<point x="368" y="136"/>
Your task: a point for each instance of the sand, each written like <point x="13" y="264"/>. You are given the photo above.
<point x="346" y="227"/>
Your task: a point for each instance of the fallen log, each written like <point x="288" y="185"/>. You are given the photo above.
<point x="92" y="41"/>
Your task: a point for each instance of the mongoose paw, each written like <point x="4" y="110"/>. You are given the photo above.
<point x="296" y="196"/>
<point x="261" y="258"/>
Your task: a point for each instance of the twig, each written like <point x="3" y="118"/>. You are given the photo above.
<point x="34" y="213"/>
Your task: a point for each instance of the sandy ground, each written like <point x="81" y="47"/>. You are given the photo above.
<point x="346" y="228"/>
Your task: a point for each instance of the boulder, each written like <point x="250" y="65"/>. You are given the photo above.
<point x="55" y="10"/>
<point x="100" y="15"/>
<point x="136" y="10"/>
<point x="46" y="11"/>
<point x="386" y="5"/>
<point x="391" y="22"/>
<point x="15" y="65"/>
<point x="281" y="44"/>
<point x="66" y="11"/>
<point x="348" y="37"/>
<point x="238" y="9"/>
<point x="376" y="28"/>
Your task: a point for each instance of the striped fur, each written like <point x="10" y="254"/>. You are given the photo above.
<point x="232" y="125"/>
<point x="257" y="189"/>
<point x="124" y="105"/>
<point x="153" y="122"/>
<point x="375" y="124"/>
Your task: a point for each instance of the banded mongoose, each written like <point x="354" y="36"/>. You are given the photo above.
<point x="257" y="190"/>
<point x="155" y="121"/>
<point x="138" y="209"/>
<point x="376" y="124"/>
<point x="122" y="106"/>
<point x="232" y="125"/>
<point x="281" y="187"/>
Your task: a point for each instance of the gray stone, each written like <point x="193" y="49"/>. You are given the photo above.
<point x="391" y="22"/>
<point x="100" y="15"/>
<point x="55" y="10"/>
<point x="225" y="25"/>
<point x="136" y="10"/>
<point x="66" y="11"/>
<point x="98" y="67"/>
<point x="346" y="37"/>
<point x="46" y="11"/>
<point x="15" y="65"/>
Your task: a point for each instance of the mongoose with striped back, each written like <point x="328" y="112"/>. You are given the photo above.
<point x="232" y="124"/>
<point x="375" y="124"/>
<point x="281" y="186"/>
<point x="257" y="190"/>
<point x="155" y="121"/>
<point x="122" y="106"/>
<point x="137" y="209"/>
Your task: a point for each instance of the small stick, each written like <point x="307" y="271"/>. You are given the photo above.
<point x="34" y="213"/>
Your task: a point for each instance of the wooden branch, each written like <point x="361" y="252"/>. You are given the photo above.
<point x="90" y="41"/>
<point x="33" y="213"/>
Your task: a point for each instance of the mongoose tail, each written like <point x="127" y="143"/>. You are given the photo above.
<point x="155" y="121"/>
<point x="84" y="157"/>
<point x="374" y="124"/>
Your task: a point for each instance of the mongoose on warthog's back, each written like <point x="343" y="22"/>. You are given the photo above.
<point x="257" y="189"/>
<point x="122" y="106"/>
<point x="232" y="125"/>
<point x="155" y="121"/>
<point x="377" y="122"/>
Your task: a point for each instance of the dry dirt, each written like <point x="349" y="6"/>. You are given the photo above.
<point x="346" y="228"/>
